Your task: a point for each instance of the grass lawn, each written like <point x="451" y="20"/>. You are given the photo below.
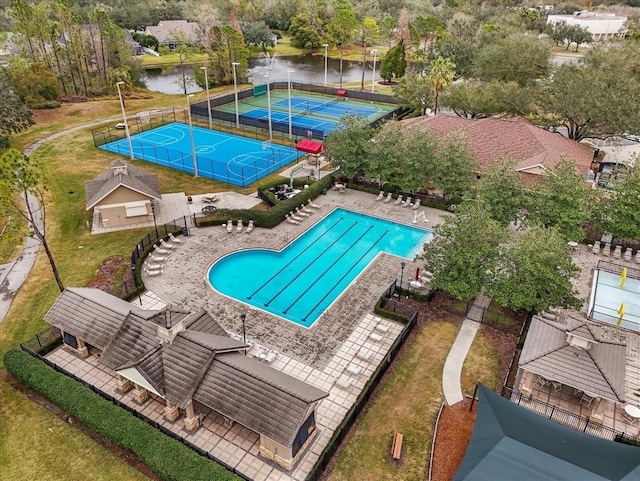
<point x="35" y="444"/>
<point x="409" y="403"/>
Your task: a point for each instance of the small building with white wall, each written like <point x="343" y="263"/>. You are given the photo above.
<point x="601" y="26"/>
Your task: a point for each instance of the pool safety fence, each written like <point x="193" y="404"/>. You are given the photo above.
<point x="602" y="313"/>
<point x="599" y="315"/>
<point x="26" y="346"/>
<point x="566" y="418"/>
<point x="614" y="268"/>
<point x="350" y="418"/>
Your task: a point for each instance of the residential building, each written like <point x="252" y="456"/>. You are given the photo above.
<point x="602" y="26"/>
<point x="171" y="33"/>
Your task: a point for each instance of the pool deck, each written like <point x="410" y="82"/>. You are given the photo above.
<point x="339" y="354"/>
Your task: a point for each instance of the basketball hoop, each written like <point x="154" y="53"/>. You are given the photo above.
<point x="144" y="117"/>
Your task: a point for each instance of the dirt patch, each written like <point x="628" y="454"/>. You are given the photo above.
<point x="105" y="277"/>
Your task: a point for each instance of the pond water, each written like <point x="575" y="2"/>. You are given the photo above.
<point x="304" y="68"/>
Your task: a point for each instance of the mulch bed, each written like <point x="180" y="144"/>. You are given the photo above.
<point x="104" y="278"/>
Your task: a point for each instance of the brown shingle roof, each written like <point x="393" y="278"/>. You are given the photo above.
<point x="165" y="29"/>
<point x="517" y="138"/>
<point x="599" y="370"/>
<point x="121" y="173"/>
<point x="150" y="367"/>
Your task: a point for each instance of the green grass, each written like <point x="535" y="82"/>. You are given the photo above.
<point x="35" y="444"/>
<point x="408" y="403"/>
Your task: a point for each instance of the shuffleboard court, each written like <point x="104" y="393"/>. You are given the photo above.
<point x="225" y="157"/>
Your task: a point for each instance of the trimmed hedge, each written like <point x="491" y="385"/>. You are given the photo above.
<point x="167" y="457"/>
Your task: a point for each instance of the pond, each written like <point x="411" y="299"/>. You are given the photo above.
<point x="304" y="68"/>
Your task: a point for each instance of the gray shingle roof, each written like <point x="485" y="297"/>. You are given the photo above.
<point x="201" y="363"/>
<point x="599" y="370"/>
<point x="257" y="396"/>
<point x="135" y="179"/>
<point x="165" y="30"/>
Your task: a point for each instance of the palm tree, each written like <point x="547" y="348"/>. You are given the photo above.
<point x="441" y="73"/>
<point x="121" y="74"/>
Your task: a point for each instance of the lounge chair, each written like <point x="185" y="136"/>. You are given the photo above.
<point x="301" y="213"/>
<point x="295" y="217"/>
<point x="291" y="220"/>
<point x="353" y="369"/>
<point x="398" y="200"/>
<point x="150" y="264"/>
<point x="344" y="383"/>
<point x="160" y="250"/>
<point x="249" y="227"/>
<point x="158" y="258"/>
<point x="209" y="198"/>
<point x="304" y="209"/>
<point x="407" y="202"/>
<point x="380" y="195"/>
<point x="312" y="205"/>
<point x="239" y="228"/>
<point x="175" y="239"/>
<point x="153" y="271"/>
<point x="388" y="199"/>
<point x="166" y="245"/>
<point x="416" y="204"/>
<point x="229" y="226"/>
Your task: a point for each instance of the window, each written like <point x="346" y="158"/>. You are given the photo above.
<point x="136" y="210"/>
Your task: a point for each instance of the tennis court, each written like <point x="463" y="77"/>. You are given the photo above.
<point x="298" y="118"/>
<point x="333" y="108"/>
<point x="225" y="157"/>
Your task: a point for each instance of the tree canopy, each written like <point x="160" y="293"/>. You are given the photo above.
<point x="15" y="116"/>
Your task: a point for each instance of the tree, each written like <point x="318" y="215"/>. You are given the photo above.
<point x="349" y="146"/>
<point x="402" y="29"/>
<point x="414" y="92"/>
<point x="148" y="41"/>
<point x="388" y="154"/>
<point x="441" y="74"/>
<point x="519" y="58"/>
<point x="185" y="52"/>
<point x="453" y="170"/>
<point x="393" y="64"/>
<point x="534" y="272"/>
<point x="429" y="28"/>
<point x="257" y="33"/>
<point x="557" y="32"/>
<point x="560" y="198"/>
<point x="477" y="100"/>
<point x="15" y="116"/>
<point x="621" y="207"/>
<point x="460" y="52"/>
<point x="35" y="84"/>
<point x="578" y="35"/>
<point x="464" y="251"/>
<point x="306" y="31"/>
<point x="340" y="30"/>
<point x="501" y="192"/>
<point x="367" y="32"/>
<point x="22" y="187"/>
<point x="388" y="29"/>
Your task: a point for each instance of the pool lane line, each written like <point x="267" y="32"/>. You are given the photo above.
<point x="299" y="254"/>
<point x="311" y="263"/>
<point x="304" y="319"/>
<point x="328" y="269"/>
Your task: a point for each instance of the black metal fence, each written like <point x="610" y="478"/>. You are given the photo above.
<point x="343" y="429"/>
<point x="27" y="347"/>
<point x="608" y="315"/>
<point x="487" y="316"/>
<point x="41" y="341"/>
<point x="566" y="418"/>
<point x="137" y="125"/>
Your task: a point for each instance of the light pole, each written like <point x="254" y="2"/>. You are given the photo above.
<point x="243" y="318"/>
<point x="326" y="51"/>
<point x="193" y="147"/>
<point x="374" y="52"/>
<point x="235" y="92"/>
<point x="269" y="106"/>
<point x="402" y="264"/>
<point x="289" y="85"/>
<point x="153" y="211"/>
<point x="124" y="119"/>
<point x="206" y="84"/>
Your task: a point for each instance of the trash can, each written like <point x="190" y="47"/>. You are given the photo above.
<point x="185" y="232"/>
<point x="324" y="191"/>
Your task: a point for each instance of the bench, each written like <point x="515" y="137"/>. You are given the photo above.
<point x="396" y="446"/>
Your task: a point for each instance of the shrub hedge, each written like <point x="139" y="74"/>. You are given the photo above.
<point x="167" y="457"/>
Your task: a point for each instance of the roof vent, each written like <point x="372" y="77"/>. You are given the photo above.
<point x="119" y="169"/>
<point x="579" y="342"/>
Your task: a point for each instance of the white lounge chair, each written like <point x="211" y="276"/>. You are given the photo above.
<point x="300" y="213"/>
<point x="160" y="250"/>
<point x="398" y="200"/>
<point x="229" y="226"/>
<point x="158" y="258"/>
<point x="304" y="209"/>
<point x="416" y="204"/>
<point x="407" y="202"/>
<point x="153" y="272"/>
<point x="175" y="239"/>
<point x="209" y="198"/>
<point x="295" y="217"/>
<point x="353" y="369"/>
<point x="312" y="205"/>
<point x="343" y="382"/>
<point x="380" y="195"/>
<point x="388" y="199"/>
<point x="291" y="220"/>
<point x="239" y="228"/>
<point x="249" y="227"/>
<point x="166" y="245"/>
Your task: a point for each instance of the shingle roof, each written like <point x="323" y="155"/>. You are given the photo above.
<point x="517" y="138"/>
<point x="599" y="370"/>
<point x="165" y="29"/>
<point x="135" y="179"/>
<point x="257" y="396"/>
<point x="201" y="363"/>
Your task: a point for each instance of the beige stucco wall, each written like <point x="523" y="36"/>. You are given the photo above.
<point x="122" y="195"/>
<point x="276" y="452"/>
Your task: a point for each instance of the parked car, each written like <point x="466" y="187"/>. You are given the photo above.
<point x="632" y="137"/>
<point x="120" y="126"/>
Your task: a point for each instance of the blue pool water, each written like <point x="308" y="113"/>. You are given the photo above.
<point x="300" y="282"/>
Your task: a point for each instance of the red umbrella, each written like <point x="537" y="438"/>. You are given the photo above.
<point x="417" y="273"/>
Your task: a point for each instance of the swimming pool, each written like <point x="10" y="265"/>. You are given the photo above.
<point x="300" y="282"/>
<point x="607" y="296"/>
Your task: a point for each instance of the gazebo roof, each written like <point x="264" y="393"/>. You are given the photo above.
<point x="310" y="146"/>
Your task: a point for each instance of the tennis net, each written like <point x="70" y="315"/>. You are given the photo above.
<point x="322" y="105"/>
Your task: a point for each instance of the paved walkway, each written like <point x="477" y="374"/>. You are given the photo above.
<point x="453" y="365"/>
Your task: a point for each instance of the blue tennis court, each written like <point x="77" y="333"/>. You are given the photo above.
<point x="333" y="108"/>
<point x="225" y="157"/>
<point x="297" y="119"/>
